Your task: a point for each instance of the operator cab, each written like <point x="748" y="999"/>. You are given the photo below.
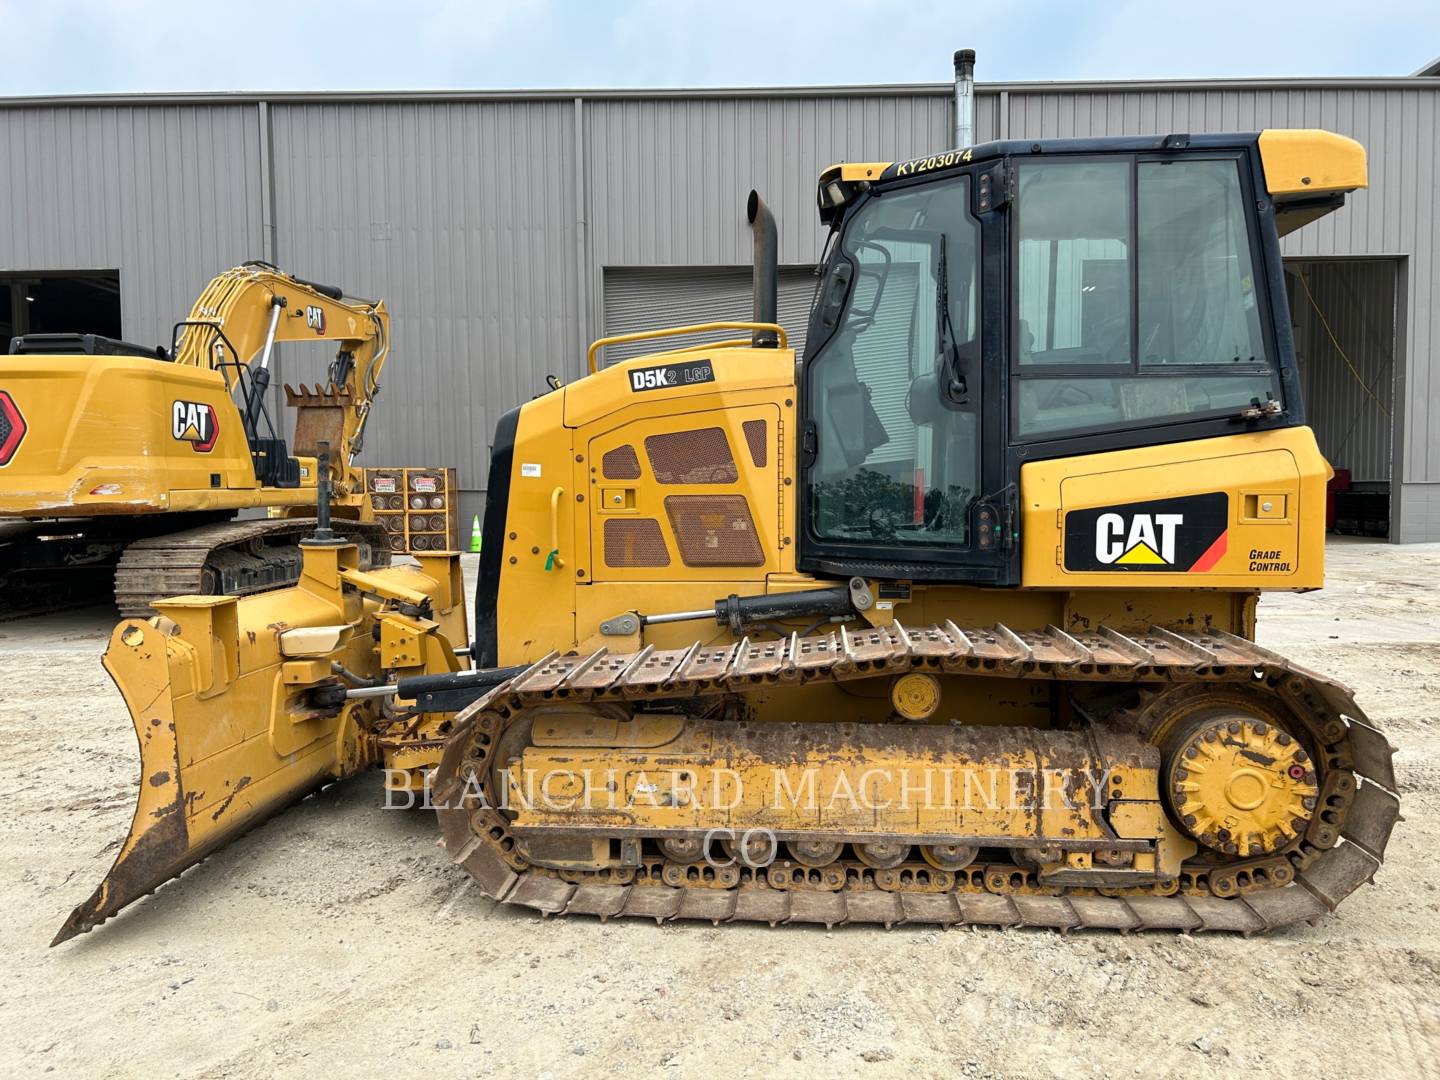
<point x="1021" y="301"/>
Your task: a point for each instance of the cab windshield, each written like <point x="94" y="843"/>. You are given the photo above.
<point x="896" y="435"/>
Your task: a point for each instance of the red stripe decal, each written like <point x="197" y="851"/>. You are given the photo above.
<point x="1212" y="554"/>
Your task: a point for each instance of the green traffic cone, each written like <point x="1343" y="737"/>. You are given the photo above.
<point x="475" y="534"/>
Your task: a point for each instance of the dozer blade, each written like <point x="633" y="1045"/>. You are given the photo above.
<point x="221" y="748"/>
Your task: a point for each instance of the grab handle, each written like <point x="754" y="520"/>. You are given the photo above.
<point x="553" y="559"/>
<point x="677" y="331"/>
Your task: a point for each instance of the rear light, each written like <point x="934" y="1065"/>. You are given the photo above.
<point x="12" y="428"/>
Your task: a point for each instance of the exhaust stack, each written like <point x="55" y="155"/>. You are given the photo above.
<point x="767" y="270"/>
<point x="964" y="98"/>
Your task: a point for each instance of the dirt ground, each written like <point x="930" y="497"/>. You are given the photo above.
<point x="338" y="939"/>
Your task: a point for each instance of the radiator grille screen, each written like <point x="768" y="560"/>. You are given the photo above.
<point x="636" y="542"/>
<point x="701" y="456"/>
<point x="714" y="530"/>
<point x="755" y="439"/>
<point x="622" y="463"/>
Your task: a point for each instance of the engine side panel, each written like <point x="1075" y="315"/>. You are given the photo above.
<point x="657" y="484"/>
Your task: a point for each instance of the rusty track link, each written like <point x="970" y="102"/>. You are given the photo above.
<point x="174" y="564"/>
<point x="1342" y="848"/>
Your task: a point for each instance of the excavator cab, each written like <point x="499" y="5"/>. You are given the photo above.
<point x="246" y="387"/>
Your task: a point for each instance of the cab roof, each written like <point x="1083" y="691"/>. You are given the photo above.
<point x="1307" y="171"/>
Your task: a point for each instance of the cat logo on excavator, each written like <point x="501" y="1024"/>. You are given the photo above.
<point x="195" y="422"/>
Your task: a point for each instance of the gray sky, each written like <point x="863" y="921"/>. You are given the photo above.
<point x="63" y="46"/>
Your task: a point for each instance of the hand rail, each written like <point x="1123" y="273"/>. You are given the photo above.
<point x="553" y="559"/>
<point x="677" y="331"/>
<point x="728" y="343"/>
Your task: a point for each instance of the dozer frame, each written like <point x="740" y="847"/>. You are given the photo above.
<point x="971" y="587"/>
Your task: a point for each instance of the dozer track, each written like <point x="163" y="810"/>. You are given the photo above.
<point x="1132" y="683"/>
<point x="231" y="557"/>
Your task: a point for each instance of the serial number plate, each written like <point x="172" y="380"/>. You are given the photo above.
<point x="668" y="376"/>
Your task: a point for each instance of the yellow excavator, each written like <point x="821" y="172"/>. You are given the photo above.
<point x="950" y="620"/>
<point x="118" y="461"/>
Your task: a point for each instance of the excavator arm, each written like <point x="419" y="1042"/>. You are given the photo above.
<point x="245" y="312"/>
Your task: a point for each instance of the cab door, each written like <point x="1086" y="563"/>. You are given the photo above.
<point x="902" y="466"/>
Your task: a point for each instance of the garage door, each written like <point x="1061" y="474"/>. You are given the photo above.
<point x="651" y="299"/>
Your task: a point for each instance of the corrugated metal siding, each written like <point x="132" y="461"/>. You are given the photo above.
<point x="462" y="216"/>
<point x="1396" y="216"/>
<point x="668" y="179"/>
<point x="478" y="221"/>
<point x="1357" y="300"/>
<point x="650" y="299"/>
<point x="168" y="195"/>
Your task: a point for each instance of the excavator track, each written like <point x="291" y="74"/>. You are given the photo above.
<point x="231" y="557"/>
<point x="1158" y="671"/>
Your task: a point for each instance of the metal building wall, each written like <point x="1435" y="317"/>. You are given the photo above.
<point x="167" y="194"/>
<point x="487" y="220"/>
<point x="471" y="219"/>
<point x="462" y="216"/>
<point x="667" y="178"/>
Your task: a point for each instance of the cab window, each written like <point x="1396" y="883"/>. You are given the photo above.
<point x="1136" y="295"/>
<point x="896" y="460"/>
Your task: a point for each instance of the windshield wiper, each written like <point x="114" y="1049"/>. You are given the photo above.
<point x="955" y="389"/>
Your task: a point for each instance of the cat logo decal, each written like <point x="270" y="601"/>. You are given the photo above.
<point x="195" y="422"/>
<point x="1181" y="535"/>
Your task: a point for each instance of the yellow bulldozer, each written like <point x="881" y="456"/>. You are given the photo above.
<point x="949" y="621"/>
<point x="128" y="465"/>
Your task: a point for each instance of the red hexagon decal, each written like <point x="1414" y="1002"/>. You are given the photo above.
<point x="12" y="428"/>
